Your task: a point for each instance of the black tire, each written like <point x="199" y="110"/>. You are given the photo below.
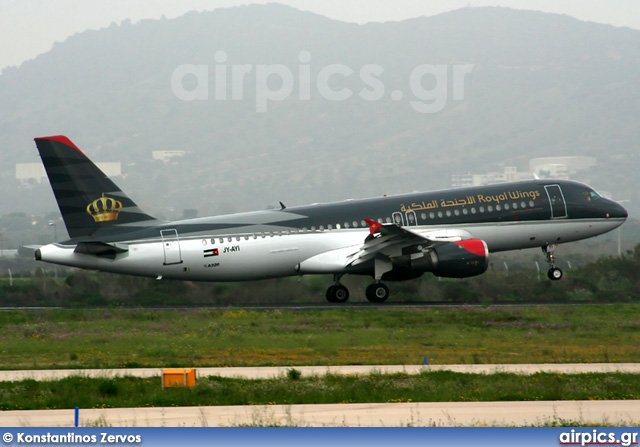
<point x="554" y="274"/>
<point x="337" y="294"/>
<point x="330" y="295"/>
<point x="377" y="293"/>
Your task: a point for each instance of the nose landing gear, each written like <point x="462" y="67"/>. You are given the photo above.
<point x="554" y="272"/>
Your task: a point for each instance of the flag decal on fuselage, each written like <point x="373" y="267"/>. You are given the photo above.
<point x="210" y="252"/>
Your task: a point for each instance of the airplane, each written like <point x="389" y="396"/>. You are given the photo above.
<point x="449" y="233"/>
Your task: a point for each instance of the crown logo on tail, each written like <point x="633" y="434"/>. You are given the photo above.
<point x="104" y="209"/>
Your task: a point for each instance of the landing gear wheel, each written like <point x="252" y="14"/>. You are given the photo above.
<point x="554" y="273"/>
<point x="337" y="294"/>
<point x="377" y="293"/>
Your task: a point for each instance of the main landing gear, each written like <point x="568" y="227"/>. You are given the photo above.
<point x="337" y="293"/>
<point x="377" y="293"/>
<point x="554" y="272"/>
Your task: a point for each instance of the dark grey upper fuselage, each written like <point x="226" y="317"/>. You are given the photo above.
<point x="529" y="201"/>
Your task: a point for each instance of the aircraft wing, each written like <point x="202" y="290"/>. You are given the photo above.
<point x="390" y="240"/>
<point x="385" y="241"/>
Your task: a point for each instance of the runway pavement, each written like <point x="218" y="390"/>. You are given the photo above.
<point x="625" y="412"/>
<point x="439" y="414"/>
<point x="265" y="372"/>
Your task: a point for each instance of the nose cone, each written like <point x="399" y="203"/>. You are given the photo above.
<point x="617" y="211"/>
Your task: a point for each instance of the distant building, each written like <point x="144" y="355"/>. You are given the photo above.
<point x="462" y="180"/>
<point x="560" y="167"/>
<point x="26" y="172"/>
<point x="8" y="253"/>
<point x="165" y="156"/>
<point x="544" y="167"/>
<point x="510" y="174"/>
<point x="552" y="171"/>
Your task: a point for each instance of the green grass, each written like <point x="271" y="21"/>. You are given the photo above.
<point x="204" y="337"/>
<point x="433" y="386"/>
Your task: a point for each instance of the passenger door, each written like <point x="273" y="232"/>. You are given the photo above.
<point x="171" y="247"/>
<point x="556" y="200"/>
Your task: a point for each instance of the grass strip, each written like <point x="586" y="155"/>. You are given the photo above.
<point x="117" y="338"/>
<point x="428" y="386"/>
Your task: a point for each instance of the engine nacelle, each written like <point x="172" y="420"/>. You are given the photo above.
<point x="460" y="259"/>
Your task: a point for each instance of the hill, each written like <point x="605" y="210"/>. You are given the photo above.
<point x="501" y="86"/>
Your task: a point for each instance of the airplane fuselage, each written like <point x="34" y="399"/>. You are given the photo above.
<point x="320" y="238"/>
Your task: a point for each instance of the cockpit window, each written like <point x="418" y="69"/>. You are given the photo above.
<point x="590" y="196"/>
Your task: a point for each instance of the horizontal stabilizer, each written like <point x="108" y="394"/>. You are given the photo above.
<point x="98" y="248"/>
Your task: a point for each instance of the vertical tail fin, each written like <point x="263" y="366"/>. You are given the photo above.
<point x="88" y="200"/>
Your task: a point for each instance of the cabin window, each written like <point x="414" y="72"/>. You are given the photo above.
<point x="473" y="210"/>
<point x="448" y="213"/>
<point x="321" y="227"/>
<point x="263" y="235"/>
<point x="313" y="228"/>
<point x="523" y="204"/>
<point x="213" y="240"/>
<point x="237" y="238"/>
<point x="456" y="212"/>
<point x="506" y="206"/>
<point x="337" y="226"/>
<point x="222" y="240"/>
<point x="346" y="224"/>
<point x="363" y="223"/>
<point x="329" y="227"/>
<point x="380" y="220"/>
<point x="255" y="236"/>
<point x="388" y="219"/>
<point x="531" y="203"/>
<point x="440" y="214"/>
<point x="489" y="209"/>
<point x="465" y="211"/>
<point x="514" y="206"/>
<point x="355" y="224"/>
<point x="432" y="215"/>
<point x="423" y="216"/>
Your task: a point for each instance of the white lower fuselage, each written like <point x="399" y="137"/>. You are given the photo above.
<point x="242" y="257"/>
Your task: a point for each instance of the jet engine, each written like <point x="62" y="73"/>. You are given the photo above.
<point x="460" y="259"/>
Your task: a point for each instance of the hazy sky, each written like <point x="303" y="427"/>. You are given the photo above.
<point x="30" y="27"/>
